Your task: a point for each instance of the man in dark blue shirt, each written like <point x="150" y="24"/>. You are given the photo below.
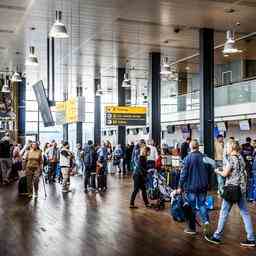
<point x="194" y="182"/>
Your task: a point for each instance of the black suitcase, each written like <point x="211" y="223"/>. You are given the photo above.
<point x="22" y="186"/>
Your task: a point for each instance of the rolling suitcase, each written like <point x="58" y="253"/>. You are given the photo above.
<point x="22" y="186"/>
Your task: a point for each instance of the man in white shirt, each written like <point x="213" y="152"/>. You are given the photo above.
<point x="151" y="159"/>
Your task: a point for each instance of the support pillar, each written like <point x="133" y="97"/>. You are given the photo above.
<point x="97" y="114"/>
<point x="207" y="90"/>
<point x="21" y="97"/>
<point x="121" y="139"/>
<point x="154" y="97"/>
<point x="65" y="126"/>
<point x="79" y="125"/>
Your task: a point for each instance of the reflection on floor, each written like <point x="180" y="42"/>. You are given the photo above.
<point x="101" y="224"/>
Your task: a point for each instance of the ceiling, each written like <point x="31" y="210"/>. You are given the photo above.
<point x="106" y="33"/>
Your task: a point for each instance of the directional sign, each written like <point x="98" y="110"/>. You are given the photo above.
<point x="122" y="116"/>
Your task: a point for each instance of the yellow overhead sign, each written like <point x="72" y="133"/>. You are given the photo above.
<point x="125" y="110"/>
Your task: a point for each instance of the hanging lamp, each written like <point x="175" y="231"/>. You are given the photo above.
<point x="32" y="59"/>
<point x="16" y="77"/>
<point x="6" y="88"/>
<point x="229" y="46"/>
<point x="58" y="29"/>
<point x="165" y="69"/>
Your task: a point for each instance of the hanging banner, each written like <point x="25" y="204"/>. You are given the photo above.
<point x="125" y="116"/>
<point x="60" y="113"/>
<point x="75" y="110"/>
<point x="70" y="111"/>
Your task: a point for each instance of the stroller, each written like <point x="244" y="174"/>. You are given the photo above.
<point x="157" y="188"/>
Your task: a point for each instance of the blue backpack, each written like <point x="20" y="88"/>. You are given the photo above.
<point x="177" y="209"/>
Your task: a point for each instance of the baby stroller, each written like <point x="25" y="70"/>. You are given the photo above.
<point x="157" y="188"/>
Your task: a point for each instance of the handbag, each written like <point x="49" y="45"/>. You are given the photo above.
<point x="232" y="193"/>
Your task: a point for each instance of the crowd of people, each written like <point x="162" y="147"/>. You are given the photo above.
<point x="234" y="164"/>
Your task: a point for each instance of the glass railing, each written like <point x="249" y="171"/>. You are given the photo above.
<point x="237" y="93"/>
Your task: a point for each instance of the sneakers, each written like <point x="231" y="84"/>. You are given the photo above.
<point x="248" y="243"/>
<point x="133" y="207"/>
<point x="190" y="231"/>
<point x="212" y="240"/>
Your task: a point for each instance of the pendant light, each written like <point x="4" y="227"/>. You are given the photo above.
<point x="127" y="81"/>
<point x="6" y="88"/>
<point x="32" y="59"/>
<point x="16" y="77"/>
<point x="165" y="69"/>
<point x="229" y="46"/>
<point x="58" y="29"/>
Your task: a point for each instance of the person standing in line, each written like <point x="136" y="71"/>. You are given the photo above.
<point x="151" y="159"/>
<point x="235" y="174"/>
<point x="52" y="155"/>
<point x="65" y="165"/>
<point x="110" y="152"/>
<point x="128" y="156"/>
<point x="79" y="159"/>
<point x="33" y="168"/>
<point x="88" y="163"/>
<point x="5" y="158"/>
<point x="194" y="182"/>
<point x="184" y="149"/>
<point x="102" y="153"/>
<point x="118" y="158"/>
<point x="139" y="177"/>
<point x="218" y="156"/>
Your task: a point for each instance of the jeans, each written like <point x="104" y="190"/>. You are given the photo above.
<point x="139" y="184"/>
<point x="197" y="200"/>
<point x="80" y="166"/>
<point x="224" y="212"/>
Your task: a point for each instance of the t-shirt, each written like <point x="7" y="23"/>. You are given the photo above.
<point x="34" y="159"/>
<point x="238" y="174"/>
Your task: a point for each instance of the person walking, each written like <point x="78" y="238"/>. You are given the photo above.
<point x="33" y="168"/>
<point x="194" y="182"/>
<point x="235" y="174"/>
<point x="218" y="156"/>
<point x="5" y="158"/>
<point x="88" y="164"/>
<point x="139" y="175"/>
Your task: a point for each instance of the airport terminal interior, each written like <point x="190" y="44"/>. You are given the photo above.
<point x="127" y="127"/>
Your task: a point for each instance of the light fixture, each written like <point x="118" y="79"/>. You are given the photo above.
<point x="32" y="59"/>
<point x="229" y="46"/>
<point x="6" y="88"/>
<point x="127" y="81"/>
<point x="58" y="29"/>
<point x="16" y="77"/>
<point x="99" y="92"/>
<point x="166" y="69"/>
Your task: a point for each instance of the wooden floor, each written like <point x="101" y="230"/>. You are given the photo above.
<point x="95" y="224"/>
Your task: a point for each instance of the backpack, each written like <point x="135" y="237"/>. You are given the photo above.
<point x="180" y="210"/>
